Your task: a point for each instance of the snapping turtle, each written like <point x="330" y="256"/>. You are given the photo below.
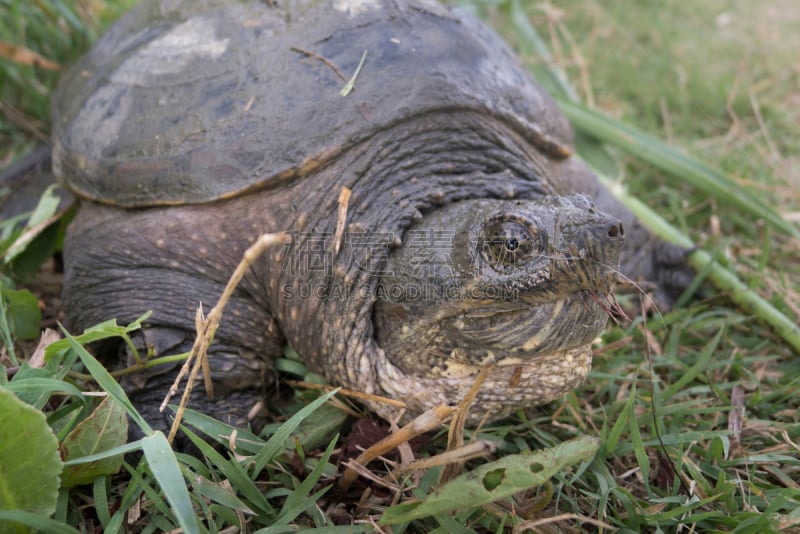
<point x="472" y="236"/>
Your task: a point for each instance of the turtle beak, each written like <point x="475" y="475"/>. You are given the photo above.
<point x="593" y="258"/>
<point x="611" y="235"/>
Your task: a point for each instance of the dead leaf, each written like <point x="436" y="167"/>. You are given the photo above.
<point x="26" y="56"/>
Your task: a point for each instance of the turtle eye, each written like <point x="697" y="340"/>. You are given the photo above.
<point x="508" y="243"/>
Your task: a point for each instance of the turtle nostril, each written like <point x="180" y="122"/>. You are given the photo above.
<point x="615" y="231"/>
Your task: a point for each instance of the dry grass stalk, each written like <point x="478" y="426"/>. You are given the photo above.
<point x="323" y="59"/>
<point x="455" y="438"/>
<point x="344" y="201"/>
<point x="25" y="56"/>
<point x="348" y="393"/>
<point x="460" y="455"/>
<point x="527" y="526"/>
<point x="425" y="422"/>
<point x="207" y="327"/>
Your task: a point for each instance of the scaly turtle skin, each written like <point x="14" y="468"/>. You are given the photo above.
<point x="192" y="128"/>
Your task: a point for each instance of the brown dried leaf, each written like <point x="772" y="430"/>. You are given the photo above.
<point x="48" y="336"/>
<point x="20" y="54"/>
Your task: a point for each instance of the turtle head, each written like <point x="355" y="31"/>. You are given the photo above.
<point x="508" y="282"/>
<point x="535" y="253"/>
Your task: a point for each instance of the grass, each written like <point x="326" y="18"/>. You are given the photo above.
<point x="54" y="32"/>
<point x="696" y="411"/>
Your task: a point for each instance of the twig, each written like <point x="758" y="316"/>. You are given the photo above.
<point x="323" y="59"/>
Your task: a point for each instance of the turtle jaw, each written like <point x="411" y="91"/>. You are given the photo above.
<point x="534" y="357"/>
<point x="508" y="386"/>
<point x="456" y="341"/>
<point x="525" y="333"/>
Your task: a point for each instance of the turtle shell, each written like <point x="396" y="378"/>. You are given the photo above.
<point x="188" y="102"/>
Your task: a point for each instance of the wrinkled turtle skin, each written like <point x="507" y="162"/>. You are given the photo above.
<point x="472" y="236"/>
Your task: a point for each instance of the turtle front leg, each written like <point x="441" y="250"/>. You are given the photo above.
<point x="120" y="264"/>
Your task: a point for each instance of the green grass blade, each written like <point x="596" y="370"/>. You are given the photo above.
<point x="217" y="492"/>
<point x="700" y="365"/>
<point x="41" y="385"/>
<point x="299" y="501"/>
<point x="32" y="519"/>
<point x="110" y="453"/>
<point x="106" y="381"/>
<point x="246" y="441"/>
<point x="165" y="468"/>
<point x="723" y="279"/>
<point x="100" y="495"/>
<point x="234" y="472"/>
<point x="609" y="444"/>
<point x="277" y="441"/>
<point x="639" y="450"/>
<point x="670" y="160"/>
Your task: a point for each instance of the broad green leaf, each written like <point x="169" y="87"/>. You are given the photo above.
<point x="41" y="217"/>
<point x="47" y="206"/>
<point x="29" y="461"/>
<point x="9" y="226"/>
<point x="104" y="330"/>
<point x="106" y="428"/>
<point x="167" y="472"/>
<point x="23" y="313"/>
<point x="496" y="480"/>
<point x="38" y="251"/>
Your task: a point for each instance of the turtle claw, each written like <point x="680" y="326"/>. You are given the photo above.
<point x="673" y="274"/>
